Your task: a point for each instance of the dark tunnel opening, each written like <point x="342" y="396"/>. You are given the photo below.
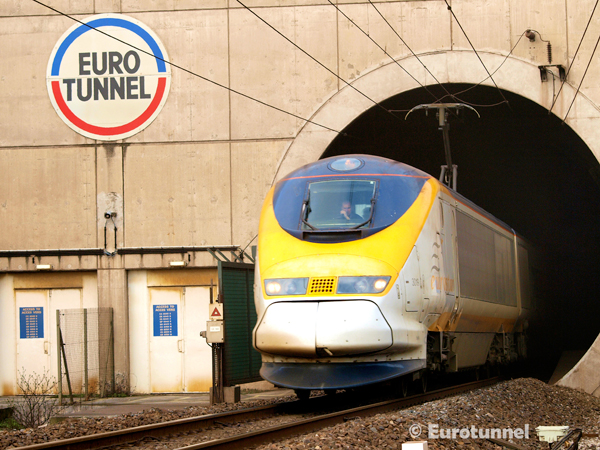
<point x="527" y="168"/>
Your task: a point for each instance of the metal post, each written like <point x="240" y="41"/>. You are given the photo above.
<point x="221" y="386"/>
<point x="85" y="353"/>
<point x="112" y="350"/>
<point x="62" y="346"/>
<point x="217" y="391"/>
<point x="59" y="365"/>
<point x="213" y="389"/>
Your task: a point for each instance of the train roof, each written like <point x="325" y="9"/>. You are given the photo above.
<point x="479" y="210"/>
<point x="370" y="165"/>
<point x="355" y="164"/>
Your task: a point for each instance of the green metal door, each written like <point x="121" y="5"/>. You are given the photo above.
<point x="241" y="363"/>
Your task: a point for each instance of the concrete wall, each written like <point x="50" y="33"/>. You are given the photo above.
<point x="584" y="374"/>
<point x="198" y="174"/>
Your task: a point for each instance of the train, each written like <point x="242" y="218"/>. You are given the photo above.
<point x="369" y="270"/>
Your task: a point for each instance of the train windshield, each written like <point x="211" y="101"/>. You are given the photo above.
<point x="338" y="204"/>
<point x="339" y="209"/>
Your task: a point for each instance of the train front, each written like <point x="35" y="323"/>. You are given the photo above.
<point x="334" y="261"/>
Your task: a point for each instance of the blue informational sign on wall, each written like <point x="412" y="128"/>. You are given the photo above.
<point x="165" y="320"/>
<point x="31" y="322"/>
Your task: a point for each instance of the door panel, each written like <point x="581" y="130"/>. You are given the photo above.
<point x="33" y="343"/>
<point x="412" y="283"/>
<point x="197" y="355"/>
<point x="166" y="345"/>
<point x="37" y="346"/>
<point x="449" y="255"/>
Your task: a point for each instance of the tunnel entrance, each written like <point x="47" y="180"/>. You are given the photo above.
<point x="527" y="168"/>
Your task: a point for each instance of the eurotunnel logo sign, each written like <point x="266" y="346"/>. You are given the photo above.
<point x="102" y="87"/>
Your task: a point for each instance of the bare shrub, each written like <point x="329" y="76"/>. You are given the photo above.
<point x="36" y="404"/>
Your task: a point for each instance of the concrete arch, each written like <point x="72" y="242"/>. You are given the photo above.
<point x="510" y="74"/>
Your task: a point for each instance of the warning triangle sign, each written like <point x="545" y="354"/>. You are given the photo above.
<point x="216" y="313"/>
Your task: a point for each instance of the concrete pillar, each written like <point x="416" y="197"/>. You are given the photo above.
<point x="112" y="277"/>
<point x="112" y="293"/>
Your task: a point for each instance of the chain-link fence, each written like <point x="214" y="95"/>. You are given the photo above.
<point x="86" y="347"/>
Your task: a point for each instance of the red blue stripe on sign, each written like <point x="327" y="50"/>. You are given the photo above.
<point x="109" y="131"/>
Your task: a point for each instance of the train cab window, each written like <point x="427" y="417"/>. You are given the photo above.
<point x="309" y="204"/>
<point x="338" y="204"/>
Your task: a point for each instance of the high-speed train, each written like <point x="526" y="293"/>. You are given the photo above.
<point x="370" y="270"/>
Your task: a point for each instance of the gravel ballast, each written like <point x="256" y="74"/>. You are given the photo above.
<point x="511" y="405"/>
<point x="518" y="405"/>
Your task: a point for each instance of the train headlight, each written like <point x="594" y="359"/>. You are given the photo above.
<point x="362" y="285"/>
<point x="272" y="287"/>
<point x="286" y="286"/>
<point x="380" y="284"/>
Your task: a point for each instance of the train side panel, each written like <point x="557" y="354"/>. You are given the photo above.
<point x="484" y="260"/>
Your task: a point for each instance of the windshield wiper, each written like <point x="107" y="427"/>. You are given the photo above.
<point x="370" y="216"/>
<point x="307" y="210"/>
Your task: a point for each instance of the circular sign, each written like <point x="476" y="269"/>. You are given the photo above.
<point x="108" y="77"/>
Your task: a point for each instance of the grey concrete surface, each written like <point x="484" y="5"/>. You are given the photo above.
<point x="114" y="406"/>
<point x="585" y="375"/>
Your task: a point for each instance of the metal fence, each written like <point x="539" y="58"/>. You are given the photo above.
<point x="85" y="348"/>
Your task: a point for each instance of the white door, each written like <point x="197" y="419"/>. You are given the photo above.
<point x="33" y="341"/>
<point x="166" y="342"/>
<point x="180" y="360"/>
<point x="197" y="354"/>
<point x="36" y="329"/>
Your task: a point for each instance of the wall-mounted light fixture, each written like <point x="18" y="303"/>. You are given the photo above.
<point x="44" y="267"/>
<point x="178" y="263"/>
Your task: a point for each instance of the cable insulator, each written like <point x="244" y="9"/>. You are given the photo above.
<point x="530" y="35"/>
<point x="549" y="53"/>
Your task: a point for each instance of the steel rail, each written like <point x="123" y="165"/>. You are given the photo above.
<point x="129" y="435"/>
<point x="280" y="432"/>
<point x="242" y="440"/>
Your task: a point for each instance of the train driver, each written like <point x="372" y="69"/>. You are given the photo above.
<point x="347" y="214"/>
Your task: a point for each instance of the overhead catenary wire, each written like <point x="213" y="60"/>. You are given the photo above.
<point x="582" y="78"/>
<point x="382" y="49"/>
<point x="573" y="60"/>
<point x="474" y="50"/>
<point x="189" y="71"/>
<point x="482" y="81"/>
<point x="409" y="49"/>
<point x="316" y="60"/>
<point x="449" y="94"/>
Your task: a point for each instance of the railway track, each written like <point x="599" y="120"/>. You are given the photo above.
<point x="253" y="438"/>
